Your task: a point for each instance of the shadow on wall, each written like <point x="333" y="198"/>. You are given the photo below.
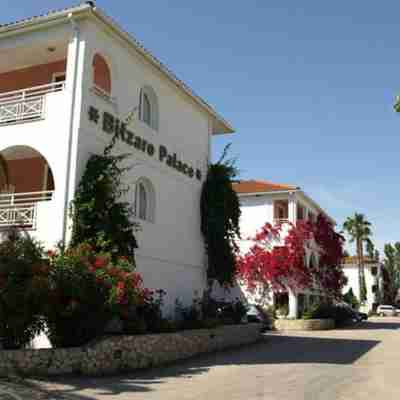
<point x="275" y="349"/>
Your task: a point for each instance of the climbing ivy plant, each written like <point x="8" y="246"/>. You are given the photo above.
<point x="99" y="215"/>
<point x="220" y="213"/>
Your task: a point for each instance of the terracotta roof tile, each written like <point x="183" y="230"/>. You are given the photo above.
<point x="253" y="186"/>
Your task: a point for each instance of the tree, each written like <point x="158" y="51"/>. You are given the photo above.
<point x="99" y="216"/>
<point x="281" y="267"/>
<point x="351" y="299"/>
<point x="359" y="230"/>
<point x="220" y="213"/>
<point x="370" y="249"/>
<point x="392" y="271"/>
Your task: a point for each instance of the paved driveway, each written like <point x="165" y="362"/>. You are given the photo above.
<point x="357" y="363"/>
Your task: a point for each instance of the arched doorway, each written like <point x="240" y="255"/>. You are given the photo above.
<point x="3" y="172"/>
<point x="26" y="179"/>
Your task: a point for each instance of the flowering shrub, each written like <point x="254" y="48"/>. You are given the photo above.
<point x="23" y="285"/>
<point x="283" y="266"/>
<point x="87" y="289"/>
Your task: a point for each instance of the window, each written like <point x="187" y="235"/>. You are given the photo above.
<point x="144" y="200"/>
<point x="281" y="210"/>
<point x="300" y="212"/>
<point x="142" y="197"/>
<point x="148" y="107"/>
<point x="146" y="110"/>
<point x="101" y="74"/>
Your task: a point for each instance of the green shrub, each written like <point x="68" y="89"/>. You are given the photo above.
<point x="87" y="290"/>
<point x="135" y="326"/>
<point x="351" y="299"/>
<point x="23" y="285"/>
<point x="100" y="216"/>
<point x="341" y="315"/>
<point x="282" y="310"/>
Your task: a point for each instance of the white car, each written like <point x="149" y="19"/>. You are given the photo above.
<point x="386" y="310"/>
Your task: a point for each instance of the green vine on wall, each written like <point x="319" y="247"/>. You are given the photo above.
<point x="100" y="217"/>
<point x="220" y="213"/>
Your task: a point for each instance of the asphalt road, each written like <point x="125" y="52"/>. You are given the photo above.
<point x="362" y="362"/>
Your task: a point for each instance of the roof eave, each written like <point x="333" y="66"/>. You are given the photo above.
<point x="36" y="23"/>
<point x="270" y="192"/>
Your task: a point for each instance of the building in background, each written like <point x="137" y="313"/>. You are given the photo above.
<point x="278" y="204"/>
<point x="373" y="272"/>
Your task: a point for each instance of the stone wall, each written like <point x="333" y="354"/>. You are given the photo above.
<point x="304" y="324"/>
<point x="114" y="354"/>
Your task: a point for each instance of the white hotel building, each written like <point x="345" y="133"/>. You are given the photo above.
<point x="266" y="202"/>
<point x="68" y="81"/>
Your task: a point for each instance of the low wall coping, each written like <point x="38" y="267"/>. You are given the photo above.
<point x="304" y="324"/>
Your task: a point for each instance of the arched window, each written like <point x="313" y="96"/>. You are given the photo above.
<point x="149" y="107"/>
<point x="144" y="200"/>
<point x="146" y="109"/>
<point x="101" y="74"/>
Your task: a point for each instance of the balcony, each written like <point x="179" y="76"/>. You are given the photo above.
<point x="26" y="105"/>
<point x="20" y="209"/>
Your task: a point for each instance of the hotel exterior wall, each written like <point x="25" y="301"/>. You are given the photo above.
<point x="171" y="251"/>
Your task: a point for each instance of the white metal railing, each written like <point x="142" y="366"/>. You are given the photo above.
<point x="27" y="104"/>
<point x="281" y="220"/>
<point x="20" y="209"/>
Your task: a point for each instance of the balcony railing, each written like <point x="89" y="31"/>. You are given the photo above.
<point x="278" y="221"/>
<point x="27" y="104"/>
<point x="20" y="209"/>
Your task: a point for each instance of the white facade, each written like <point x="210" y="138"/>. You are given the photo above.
<point x="285" y="205"/>
<point x="169" y="153"/>
<point x="373" y="282"/>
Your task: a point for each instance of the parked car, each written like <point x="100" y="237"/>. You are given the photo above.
<point x="386" y="310"/>
<point x="356" y="316"/>
<point x="362" y="316"/>
<point x="255" y="314"/>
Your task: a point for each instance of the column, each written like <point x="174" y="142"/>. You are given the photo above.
<point x="293" y="305"/>
<point x="292" y="208"/>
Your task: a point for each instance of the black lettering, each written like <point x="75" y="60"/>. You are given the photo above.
<point x="94" y="114"/>
<point x="191" y="172"/>
<point x="162" y="153"/>
<point x="185" y="168"/>
<point x="170" y="161"/>
<point x="198" y="174"/>
<point x="150" y="150"/>
<point x="144" y="145"/>
<point x="129" y="137"/>
<point x="138" y="143"/>
<point x="121" y="130"/>
<point x="174" y="164"/>
<point x="108" y="123"/>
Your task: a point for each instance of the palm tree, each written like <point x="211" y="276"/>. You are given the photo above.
<point x="359" y="230"/>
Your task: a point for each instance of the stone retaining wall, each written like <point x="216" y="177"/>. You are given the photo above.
<point x="114" y="354"/>
<point x="304" y="324"/>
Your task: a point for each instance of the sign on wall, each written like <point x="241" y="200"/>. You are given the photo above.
<point x="113" y="126"/>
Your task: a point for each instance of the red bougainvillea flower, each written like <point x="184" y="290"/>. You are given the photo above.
<point x="51" y="253"/>
<point x="271" y="263"/>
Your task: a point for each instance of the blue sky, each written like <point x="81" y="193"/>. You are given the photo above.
<point x="309" y="87"/>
